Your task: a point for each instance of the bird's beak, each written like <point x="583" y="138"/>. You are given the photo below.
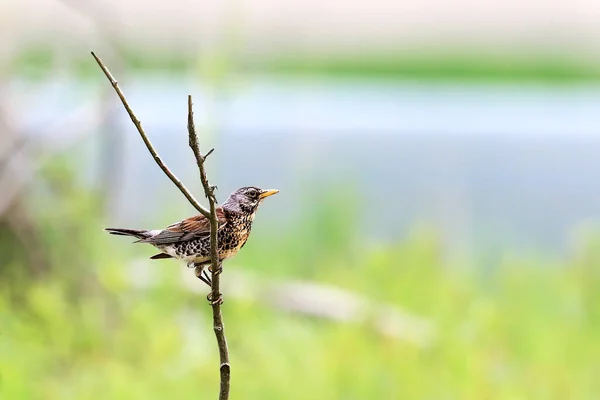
<point x="267" y="193"/>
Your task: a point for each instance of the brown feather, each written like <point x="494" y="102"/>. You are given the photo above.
<point x="198" y="224"/>
<point x="188" y="229"/>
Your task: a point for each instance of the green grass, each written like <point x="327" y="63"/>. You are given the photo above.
<point x="527" y="330"/>
<point x="453" y="64"/>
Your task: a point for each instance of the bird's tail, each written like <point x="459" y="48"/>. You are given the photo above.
<point x="140" y="234"/>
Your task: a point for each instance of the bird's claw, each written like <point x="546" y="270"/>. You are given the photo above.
<point x="218" y="271"/>
<point x="204" y="273"/>
<point x="218" y="301"/>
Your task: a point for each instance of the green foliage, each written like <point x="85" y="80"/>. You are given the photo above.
<point x="462" y="66"/>
<point x="516" y="65"/>
<point x="527" y="330"/>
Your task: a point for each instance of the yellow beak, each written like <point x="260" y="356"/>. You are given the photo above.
<point x="267" y="193"/>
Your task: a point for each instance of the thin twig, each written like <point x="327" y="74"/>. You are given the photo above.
<point x="147" y="142"/>
<point x="225" y="370"/>
<point x="211" y="215"/>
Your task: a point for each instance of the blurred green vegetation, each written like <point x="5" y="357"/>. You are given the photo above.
<point x="452" y="66"/>
<point x="527" y="329"/>
<point x="37" y="61"/>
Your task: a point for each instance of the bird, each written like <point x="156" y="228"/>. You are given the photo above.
<point x="189" y="239"/>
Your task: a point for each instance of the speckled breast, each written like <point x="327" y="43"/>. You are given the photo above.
<point x="234" y="234"/>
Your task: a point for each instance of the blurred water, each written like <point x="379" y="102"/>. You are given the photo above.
<point x="492" y="166"/>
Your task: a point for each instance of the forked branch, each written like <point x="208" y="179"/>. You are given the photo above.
<point x="147" y="142"/>
<point x="215" y="295"/>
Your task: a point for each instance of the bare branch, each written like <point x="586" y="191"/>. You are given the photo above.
<point x="147" y="142"/>
<point x="215" y="295"/>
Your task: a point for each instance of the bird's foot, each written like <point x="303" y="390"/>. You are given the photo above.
<point x="219" y="269"/>
<point x="212" y="302"/>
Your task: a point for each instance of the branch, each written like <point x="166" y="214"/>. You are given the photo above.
<point x="215" y="294"/>
<point x="147" y="142"/>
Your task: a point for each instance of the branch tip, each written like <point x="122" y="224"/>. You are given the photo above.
<point x="209" y="153"/>
<point x="147" y="141"/>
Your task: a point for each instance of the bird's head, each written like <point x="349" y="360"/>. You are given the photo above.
<point x="247" y="199"/>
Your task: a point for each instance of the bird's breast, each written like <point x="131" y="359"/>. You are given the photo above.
<point x="238" y="232"/>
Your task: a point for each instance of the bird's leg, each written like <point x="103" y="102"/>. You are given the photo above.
<point x="200" y="270"/>
<point x="205" y="280"/>
<point x="218" y="300"/>
<point x="207" y="276"/>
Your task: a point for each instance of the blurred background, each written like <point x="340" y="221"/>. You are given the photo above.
<point x="436" y="234"/>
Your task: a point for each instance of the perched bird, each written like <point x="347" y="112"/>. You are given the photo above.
<point x="189" y="240"/>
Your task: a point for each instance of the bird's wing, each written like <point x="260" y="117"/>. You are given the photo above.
<point x="188" y="229"/>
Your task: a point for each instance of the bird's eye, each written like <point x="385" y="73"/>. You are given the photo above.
<point x="252" y="193"/>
